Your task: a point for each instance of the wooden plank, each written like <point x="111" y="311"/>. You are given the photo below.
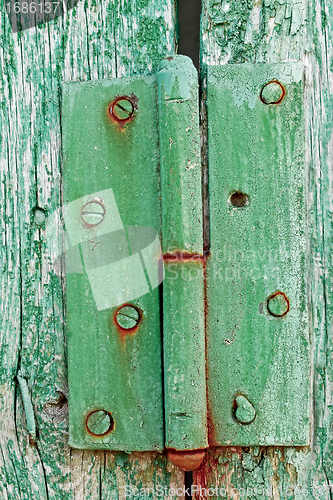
<point x="237" y="32"/>
<point x="94" y="40"/>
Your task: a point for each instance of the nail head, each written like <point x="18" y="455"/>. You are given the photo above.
<point x="245" y="412"/>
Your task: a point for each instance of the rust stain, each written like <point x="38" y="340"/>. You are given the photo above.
<point x="124" y="332"/>
<point x="132" y="99"/>
<point x="32" y="440"/>
<point x="181" y="256"/>
<point x="207" y="469"/>
<point x="210" y="423"/>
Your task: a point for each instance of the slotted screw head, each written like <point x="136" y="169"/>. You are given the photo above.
<point x="93" y="213"/>
<point x="278" y="304"/>
<point x="127" y="317"/>
<point x="122" y="108"/>
<point x="99" y="422"/>
<point x="272" y="93"/>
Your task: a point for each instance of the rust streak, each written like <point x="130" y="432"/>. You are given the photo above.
<point x="125" y="332"/>
<point x="181" y="256"/>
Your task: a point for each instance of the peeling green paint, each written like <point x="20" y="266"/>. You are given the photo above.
<point x="94" y="40"/>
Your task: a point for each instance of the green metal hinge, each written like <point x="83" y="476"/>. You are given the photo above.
<point x="132" y="179"/>
<point x="257" y="326"/>
<point x="132" y="210"/>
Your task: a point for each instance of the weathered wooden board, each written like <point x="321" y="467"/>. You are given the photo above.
<point x="238" y="32"/>
<point x="94" y="40"/>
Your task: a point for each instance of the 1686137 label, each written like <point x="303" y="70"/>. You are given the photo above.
<point x="25" y="14"/>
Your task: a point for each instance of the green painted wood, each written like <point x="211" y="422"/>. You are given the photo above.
<point x="257" y="212"/>
<point x="238" y="32"/>
<point x="183" y="287"/>
<point x="94" y="40"/>
<point x="111" y="368"/>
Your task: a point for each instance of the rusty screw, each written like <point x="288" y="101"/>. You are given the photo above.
<point x="128" y="317"/>
<point x="245" y="411"/>
<point x="93" y="213"/>
<point x="278" y="304"/>
<point x="122" y="108"/>
<point x="272" y="92"/>
<point x="99" y="422"/>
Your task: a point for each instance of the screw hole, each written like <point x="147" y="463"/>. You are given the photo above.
<point x="39" y="216"/>
<point x="239" y="199"/>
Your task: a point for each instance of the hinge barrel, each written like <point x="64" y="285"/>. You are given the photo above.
<point x="183" y="287"/>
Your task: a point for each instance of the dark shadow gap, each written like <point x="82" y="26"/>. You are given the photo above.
<point x="189" y="29"/>
<point x="188" y="484"/>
